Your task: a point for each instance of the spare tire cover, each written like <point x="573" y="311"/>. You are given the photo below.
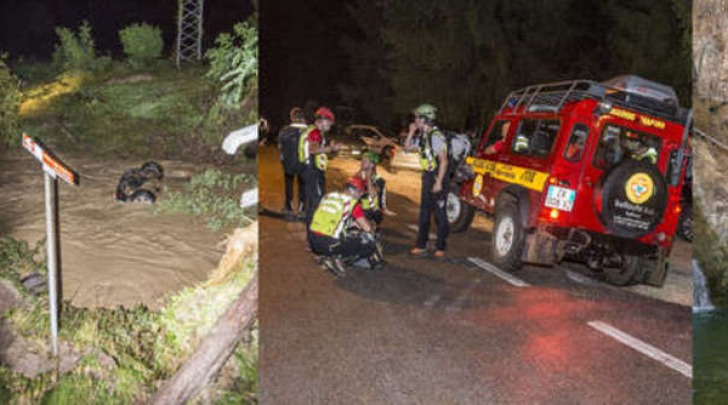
<point x="632" y="199"/>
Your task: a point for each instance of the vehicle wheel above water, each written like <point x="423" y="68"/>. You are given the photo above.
<point x="143" y="196"/>
<point x="459" y="214"/>
<point x="507" y="241"/>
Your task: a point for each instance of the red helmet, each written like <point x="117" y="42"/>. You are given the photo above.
<point x="325" y="113"/>
<point x="356" y="183"/>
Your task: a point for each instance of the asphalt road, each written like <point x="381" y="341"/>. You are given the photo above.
<point x="423" y="331"/>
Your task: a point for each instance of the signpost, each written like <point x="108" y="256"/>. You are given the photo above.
<point x="53" y="169"/>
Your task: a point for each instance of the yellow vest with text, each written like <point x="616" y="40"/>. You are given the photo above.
<point x="333" y="215"/>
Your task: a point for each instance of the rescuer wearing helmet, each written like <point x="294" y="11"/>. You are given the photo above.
<point x="288" y="138"/>
<point x="328" y="232"/>
<point x="374" y="201"/>
<point x="433" y="159"/>
<point x="312" y="150"/>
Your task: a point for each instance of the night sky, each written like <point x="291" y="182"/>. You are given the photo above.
<point x="304" y="61"/>
<point x="301" y="58"/>
<point x="27" y="26"/>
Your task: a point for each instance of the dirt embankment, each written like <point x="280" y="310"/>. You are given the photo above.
<point x="112" y="253"/>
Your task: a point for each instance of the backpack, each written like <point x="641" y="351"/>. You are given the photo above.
<point x="458" y="148"/>
<point x="288" y="140"/>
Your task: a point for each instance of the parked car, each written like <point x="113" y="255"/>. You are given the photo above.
<point x="588" y="171"/>
<point x="357" y="139"/>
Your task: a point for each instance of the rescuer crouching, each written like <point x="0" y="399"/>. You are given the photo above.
<point x="339" y="231"/>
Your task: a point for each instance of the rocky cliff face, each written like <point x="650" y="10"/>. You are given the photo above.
<point x="710" y="103"/>
<point x="710" y="56"/>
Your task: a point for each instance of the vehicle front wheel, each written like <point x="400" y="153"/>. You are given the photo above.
<point x="508" y="238"/>
<point x="459" y="213"/>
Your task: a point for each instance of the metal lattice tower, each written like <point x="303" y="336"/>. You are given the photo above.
<point x="189" y="30"/>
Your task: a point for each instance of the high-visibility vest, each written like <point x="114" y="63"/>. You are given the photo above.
<point x="428" y="159"/>
<point x="371" y="202"/>
<point x="321" y="161"/>
<point x="650" y="155"/>
<point x="333" y="215"/>
<point x="521" y="144"/>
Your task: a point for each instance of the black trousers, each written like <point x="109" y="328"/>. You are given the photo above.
<point x="315" y="185"/>
<point x="432" y="203"/>
<point x="289" y="180"/>
<point x="349" y="247"/>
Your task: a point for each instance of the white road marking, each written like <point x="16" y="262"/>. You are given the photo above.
<point x="460" y="300"/>
<point x="417" y="230"/>
<point x="432" y="301"/>
<point x="497" y="272"/>
<point x="644" y="348"/>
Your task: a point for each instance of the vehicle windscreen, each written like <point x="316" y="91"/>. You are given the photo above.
<point x="617" y="143"/>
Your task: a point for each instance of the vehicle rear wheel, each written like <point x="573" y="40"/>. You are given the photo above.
<point x="685" y="224"/>
<point x="629" y="273"/>
<point x="508" y="238"/>
<point x="459" y="213"/>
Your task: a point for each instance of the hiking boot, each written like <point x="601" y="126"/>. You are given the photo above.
<point x="339" y="267"/>
<point x="417" y="252"/>
<point x="329" y="265"/>
<point x="362" y="263"/>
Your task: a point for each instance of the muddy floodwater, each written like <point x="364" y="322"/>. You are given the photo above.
<point x="111" y="253"/>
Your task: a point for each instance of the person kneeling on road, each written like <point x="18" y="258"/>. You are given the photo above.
<point x="374" y="201"/>
<point x="328" y="233"/>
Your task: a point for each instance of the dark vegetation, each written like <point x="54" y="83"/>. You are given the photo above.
<point x="462" y="56"/>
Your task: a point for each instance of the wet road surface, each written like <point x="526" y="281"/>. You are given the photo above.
<point x="426" y="331"/>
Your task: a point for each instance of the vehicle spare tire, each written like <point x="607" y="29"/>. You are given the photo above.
<point x="632" y="199"/>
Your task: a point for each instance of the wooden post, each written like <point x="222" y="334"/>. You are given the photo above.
<point x="214" y="349"/>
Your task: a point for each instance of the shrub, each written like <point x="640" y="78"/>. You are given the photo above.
<point x="77" y="50"/>
<point x="213" y="195"/>
<point x="234" y="62"/>
<point x="142" y="43"/>
<point x="9" y="105"/>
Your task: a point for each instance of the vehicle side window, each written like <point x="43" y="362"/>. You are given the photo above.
<point x="619" y="143"/>
<point x="535" y="137"/>
<point x="575" y="147"/>
<point x="498" y="132"/>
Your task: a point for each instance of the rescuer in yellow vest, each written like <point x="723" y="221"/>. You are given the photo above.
<point x="312" y="150"/>
<point x="433" y="159"/>
<point x="328" y="231"/>
<point x="374" y="201"/>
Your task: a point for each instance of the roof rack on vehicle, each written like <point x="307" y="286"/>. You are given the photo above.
<point x="552" y="97"/>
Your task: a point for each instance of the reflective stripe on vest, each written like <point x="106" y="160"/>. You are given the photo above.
<point x="321" y="161"/>
<point x="303" y="155"/>
<point x="332" y="215"/>
<point x="428" y="160"/>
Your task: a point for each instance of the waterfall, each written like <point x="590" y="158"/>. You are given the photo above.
<point x="701" y="296"/>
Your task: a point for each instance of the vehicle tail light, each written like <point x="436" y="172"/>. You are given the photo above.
<point x="678" y="209"/>
<point x="554" y="214"/>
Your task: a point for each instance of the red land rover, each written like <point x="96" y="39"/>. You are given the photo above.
<point x="582" y="170"/>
